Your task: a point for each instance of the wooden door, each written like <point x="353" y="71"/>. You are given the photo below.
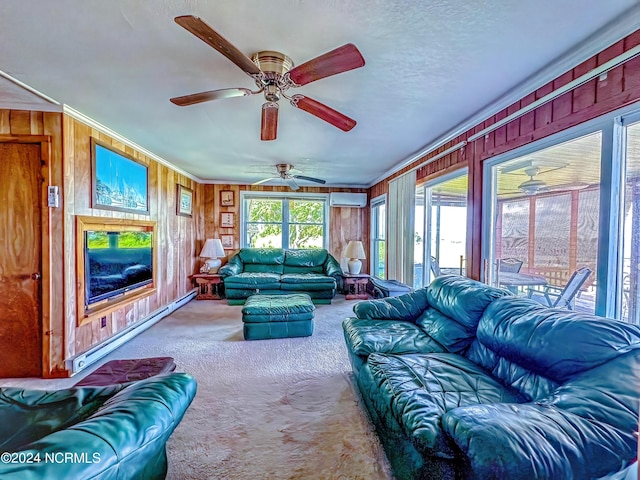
<point x="20" y="260"/>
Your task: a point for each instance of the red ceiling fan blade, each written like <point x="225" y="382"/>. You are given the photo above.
<point x="323" y="112"/>
<point x="269" y="127"/>
<point x="210" y="95"/>
<point x="212" y="38"/>
<point x="342" y="59"/>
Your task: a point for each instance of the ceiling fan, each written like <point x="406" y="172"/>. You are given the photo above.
<point x="274" y="73"/>
<point x="284" y="173"/>
<point x="533" y="186"/>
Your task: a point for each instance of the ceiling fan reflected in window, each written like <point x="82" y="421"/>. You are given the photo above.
<point x="534" y="186"/>
<point x="284" y="172"/>
<point x="274" y="74"/>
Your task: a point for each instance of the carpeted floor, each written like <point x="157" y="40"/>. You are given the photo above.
<point x="266" y="409"/>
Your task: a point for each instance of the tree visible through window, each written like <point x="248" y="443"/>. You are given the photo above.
<point x="287" y="222"/>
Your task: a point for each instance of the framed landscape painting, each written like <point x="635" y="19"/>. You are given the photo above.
<point x="184" y="201"/>
<point x="118" y="181"/>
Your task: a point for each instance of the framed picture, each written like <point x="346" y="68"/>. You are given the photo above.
<point x="226" y="198"/>
<point x="227" y="241"/>
<point x="227" y="220"/>
<point x="184" y="201"/>
<point x="118" y="181"/>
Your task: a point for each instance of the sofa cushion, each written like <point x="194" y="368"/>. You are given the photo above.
<point x="308" y="278"/>
<point x="462" y="298"/>
<point x="406" y="307"/>
<point x="262" y="260"/>
<point x="552" y="343"/>
<point x="253" y="280"/>
<point x="28" y="415"/>
<point x="417" y="389"/>
<point x="305" y="260"/>
<point x="525" y="441"/>
<point x="365" y="337"/>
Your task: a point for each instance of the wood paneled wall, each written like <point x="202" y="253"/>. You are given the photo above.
<point x="344" y="223"/>
<point x="597" y="97"/>
<point x="176" y="236"/>
<point x="70" y="169"/>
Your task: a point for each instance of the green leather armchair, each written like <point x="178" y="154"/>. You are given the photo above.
<point x="112" y="432"/>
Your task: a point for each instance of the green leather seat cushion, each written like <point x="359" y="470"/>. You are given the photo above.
<point x="418" y="389"/>
<point x="262" y="280"/>
<point x="365" y="337"/>
<point x="278" y="305"/>
<point x="308" y="278"/>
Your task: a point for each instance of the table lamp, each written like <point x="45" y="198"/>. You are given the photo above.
<point x="354" y="253"/>
<point x="212" y="251"/>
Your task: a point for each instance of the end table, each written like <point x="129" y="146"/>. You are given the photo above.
<point x="355" y="286"/>
<point x="209" y="286"/>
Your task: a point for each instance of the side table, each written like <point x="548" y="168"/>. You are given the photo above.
<point x="209" y="286"/>
<point x="355" y="286"/>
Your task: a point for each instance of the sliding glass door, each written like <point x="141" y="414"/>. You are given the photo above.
<point x="629" y="299"/>
<point x="545" y="209"/>
<point x="440" y="223"/>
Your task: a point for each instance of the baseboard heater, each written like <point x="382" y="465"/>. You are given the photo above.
<point x="83" y="360"/>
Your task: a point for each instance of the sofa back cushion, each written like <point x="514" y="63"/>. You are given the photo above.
<point x="305" y="260"/>
<point x="456" y="305"/>
<point x="534" y="348"/>
<point x="262" y="260"/>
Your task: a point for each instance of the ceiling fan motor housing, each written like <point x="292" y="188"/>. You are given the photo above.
<point x="274" y="65"/>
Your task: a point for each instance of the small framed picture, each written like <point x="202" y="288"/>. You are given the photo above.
<point x="226" y="198"/>
<point x="227" y="220"/>
<point x="227" y="241"/>
<point x="184" y="201"/>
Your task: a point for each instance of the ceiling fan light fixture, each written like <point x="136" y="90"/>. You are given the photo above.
<point x="531" y="186"/>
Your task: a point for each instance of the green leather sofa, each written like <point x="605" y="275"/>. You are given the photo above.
<point x="466" y="381"/>
<point x="114" y="432"/>
<point x="274" y="271"/>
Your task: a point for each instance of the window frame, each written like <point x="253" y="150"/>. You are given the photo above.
<point x="286" y="198"/>
<point x="374" y="240"/>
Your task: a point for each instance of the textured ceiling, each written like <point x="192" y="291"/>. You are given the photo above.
<point x="429" y="67"/>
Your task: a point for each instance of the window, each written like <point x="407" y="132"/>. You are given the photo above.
<point x="284" y="221"/>
<point x="378" y="237"/>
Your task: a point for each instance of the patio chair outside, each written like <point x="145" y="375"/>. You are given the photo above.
<point x="562" y="297"/>
<point x="509" y="265"/>
<point x="435" y="267"/>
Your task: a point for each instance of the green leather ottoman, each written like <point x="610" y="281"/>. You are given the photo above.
<point x="277" y="316"/>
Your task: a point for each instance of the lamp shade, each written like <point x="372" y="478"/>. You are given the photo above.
<point x="354" y="252"/>
<point x="212" y="251"/>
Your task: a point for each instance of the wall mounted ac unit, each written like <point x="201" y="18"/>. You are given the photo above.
<point x="346" y="199"/>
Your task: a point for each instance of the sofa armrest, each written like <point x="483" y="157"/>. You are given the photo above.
<point x="331" y="267"/>
<point x="524" y="441"/>
<point x="407" y="307"/>
<point x="234" y="266"/>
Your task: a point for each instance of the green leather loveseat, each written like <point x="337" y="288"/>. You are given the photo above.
<point x="273" y="271"/>
<point x="114" y="432"/>
<point x="466" y="381"/>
